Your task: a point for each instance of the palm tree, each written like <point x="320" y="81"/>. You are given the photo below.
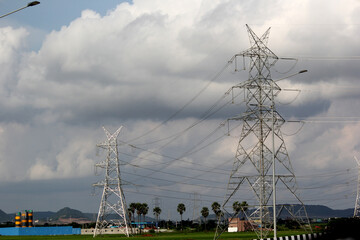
<point x="145" y="210"/>
<point x="216" y="209"/>
<point x="132" y="209"/>
<point x="236" y="207"/>
<point x="240" y="207"/>
<point x="157" y="212"/>
<point x="130" y="214"/>
<point x="205" y="214"/>
<point x="138" y="207"/>
<point x="181" y="209"/>
<point x="244" y="207"/>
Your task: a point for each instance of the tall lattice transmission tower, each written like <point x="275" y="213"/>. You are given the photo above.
<point x="261" y="161"/>
<point x="113" y="209"/>
<point x="357" y="202"/>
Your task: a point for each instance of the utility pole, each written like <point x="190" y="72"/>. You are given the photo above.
<point x="169" y="217"/>
<point x="260" y="146"/>
<point x="357" y="202"/>
<point x="113" y="199"/>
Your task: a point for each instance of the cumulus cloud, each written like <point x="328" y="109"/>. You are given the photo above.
<point x="141" y="63"/>
<point x="74" y="160"/>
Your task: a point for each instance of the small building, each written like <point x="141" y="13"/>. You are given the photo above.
<point x="143" y="225"/>
<point x="237" y="225"/>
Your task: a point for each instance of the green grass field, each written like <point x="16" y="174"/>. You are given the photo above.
<point x="155" y="236"/>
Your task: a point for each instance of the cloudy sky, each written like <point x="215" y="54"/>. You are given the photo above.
<point x="160" y="69"/>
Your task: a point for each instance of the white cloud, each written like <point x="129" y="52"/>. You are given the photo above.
<point x="142" y="62"/>
<point x="11" y="41"/>
<point x="298" y="94"/>
<point x="74" y="160"/>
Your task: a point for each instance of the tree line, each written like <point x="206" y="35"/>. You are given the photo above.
<point x="142" y="209"/>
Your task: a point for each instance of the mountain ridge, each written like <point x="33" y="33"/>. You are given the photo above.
<point x="313" y="211"/>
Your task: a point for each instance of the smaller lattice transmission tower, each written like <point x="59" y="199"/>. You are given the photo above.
<point x="113" y="209"/>
<point x="357" y="202"/>
<point x="196" y="208"/>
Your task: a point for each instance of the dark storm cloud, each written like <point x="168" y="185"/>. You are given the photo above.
<point x="140" y="64"/>
<point x="304" y="111"/>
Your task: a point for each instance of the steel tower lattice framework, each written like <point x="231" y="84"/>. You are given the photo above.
<point x="113" y="199"/>
<point x="196" y="208"/>
<point x="357" y="202"/>
<point x="261" y="148"/>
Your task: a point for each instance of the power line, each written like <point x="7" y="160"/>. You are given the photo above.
<point x="162" y="163"/>
<point x="187" y="104"/>
<point x="331" y="121"/>
<point x="203" y="117"/>
<point x="163" y="196"/>
<point x="327" y="174"/>
<point x="328" y="58"/>
<point x="173" y="159"/>
<point x="189" y="152"/>
<point x="172" y="190"/>
<point x="176" y="182"/>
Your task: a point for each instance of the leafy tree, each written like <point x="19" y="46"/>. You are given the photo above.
<point x="205" y="214"/>
<point x="181" y="209"/>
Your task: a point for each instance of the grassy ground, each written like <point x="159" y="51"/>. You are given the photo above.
<point x="155" y="236"/>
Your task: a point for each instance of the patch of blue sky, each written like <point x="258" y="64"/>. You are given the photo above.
<point x="50" y="15"/>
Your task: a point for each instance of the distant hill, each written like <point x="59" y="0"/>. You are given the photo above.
<point x="313" y="211"/>
<point x="4" y="217"/>
<point x="68" y="213"/>
<point x="43" y="215"/>
<point x="320" y="211"/>
<point x="91" y="216"/>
